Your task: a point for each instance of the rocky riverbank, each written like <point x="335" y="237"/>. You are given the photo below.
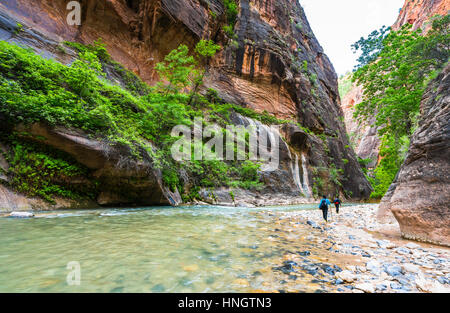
<point x="362" y="255"/>
<point x="229" y="249"/>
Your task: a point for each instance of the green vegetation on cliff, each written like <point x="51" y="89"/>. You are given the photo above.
<point x="38" y="170"/>
<point x="36" y="90"/>
<point x="395" y="70"/>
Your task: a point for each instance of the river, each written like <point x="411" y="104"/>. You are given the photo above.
<point x="161" y="249"/>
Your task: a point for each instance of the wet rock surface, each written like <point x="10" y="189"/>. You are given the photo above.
<point x="353" y="254"/>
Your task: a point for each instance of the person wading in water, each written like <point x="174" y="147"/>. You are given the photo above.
<point x="324" y="203"/>
<point x="337" y="203"/>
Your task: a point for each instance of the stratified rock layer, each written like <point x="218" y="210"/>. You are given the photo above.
<point x="419" y="197"/>
<point x="418" y="12"/>
<point x="364" y="136"/>
<point x="272" y="63"/>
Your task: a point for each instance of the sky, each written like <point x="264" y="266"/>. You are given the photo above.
<point x="337" y="24"/>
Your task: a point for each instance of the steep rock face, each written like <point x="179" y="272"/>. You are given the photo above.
<point x="419" y="196"/>
<point x="364" y="136"/>
<point x="262" y="69"/>
<point x="273" y="63"/>
<point x="288" y="184"/>
<point x="418" y="12"/>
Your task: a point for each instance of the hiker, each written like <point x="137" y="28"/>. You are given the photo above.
<point x="337" y="203"/>
<point x="324" y="203"/>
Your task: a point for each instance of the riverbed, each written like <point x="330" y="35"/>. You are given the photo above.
<point x="215" y="249"/>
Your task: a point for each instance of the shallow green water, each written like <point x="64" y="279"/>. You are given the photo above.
<point x="187" y="249"/>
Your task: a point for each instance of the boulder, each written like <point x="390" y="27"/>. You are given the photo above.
<point x="124" y="179"/>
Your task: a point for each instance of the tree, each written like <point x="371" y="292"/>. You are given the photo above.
<point x="180" y="70"/>
<point x="370" y="47"/>
<point x="176" y="69"/>
<point x="205" y="50"/>
<point x="394" y="83"/>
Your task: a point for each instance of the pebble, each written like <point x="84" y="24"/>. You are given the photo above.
<point x="190" y="268"/>
<point x="366" y="287"/>
<point x="287" y="268"/>
<point x="392" y="267"/>
<point x="313" y="224"/>
<point x="381" y="287"/>
<point x="374" y="267"/>
<point x="158" y="288"/>
<point x="116" y="290"/>
<point x="329" y="270"/>
<point x="241" y="282"/>
<point x="346" y="276"/>
<point x="361" y="269"/>
<point x="393" y="270"/>
<point x="408" y="267"/>
<point x="430" y="286"/>
<point x="402" y="280"/>
<point x="396" y="286"/>
<point x="403" y="250"/>
<point x="366" y="255"/>
<point x="412" y="246"/>
<point x="443" y="280"/>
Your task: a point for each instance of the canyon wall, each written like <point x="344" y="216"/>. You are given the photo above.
<point x="271" y="62"/>
<point x="419" y="196"/>
<point x="364" y="136"/>
<point x="418" y="12"/>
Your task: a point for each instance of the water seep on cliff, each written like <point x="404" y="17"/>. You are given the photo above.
<point x="269" y="62"/>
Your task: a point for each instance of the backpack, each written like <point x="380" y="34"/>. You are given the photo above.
<point x="323" y="205"/>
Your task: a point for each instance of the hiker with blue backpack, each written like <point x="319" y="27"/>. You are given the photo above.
<point x="324" y="203"/>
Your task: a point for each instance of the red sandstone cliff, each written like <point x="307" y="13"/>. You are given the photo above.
<point x="418" y="12"/>
<point x="272" y="63"/>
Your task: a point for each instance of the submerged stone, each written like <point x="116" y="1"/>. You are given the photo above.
<point x="117" y="290"/>
<point x="158" y="288"/>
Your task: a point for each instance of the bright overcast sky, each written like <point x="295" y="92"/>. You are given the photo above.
<point x="337" y="24"/>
